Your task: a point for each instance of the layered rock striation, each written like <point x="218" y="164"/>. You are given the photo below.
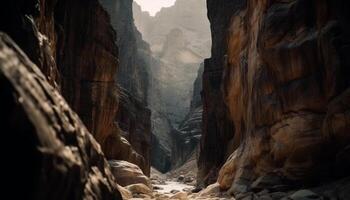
<point x="74" y="45"/>
<point x="286" y="86"/>
<point x="218" y="129"/>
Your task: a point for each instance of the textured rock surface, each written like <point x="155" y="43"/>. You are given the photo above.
<point x="65" y="160"/>
<point x="286" y="85"/>
<point x="127" y="173"/>
<point x="72" y="42"/>
<point x="133" y="117"/>
<point x="134" y="120"/>
<point x="78" y="37"/>
<point x="87" y="59"/>
<point x="218" y="128"/>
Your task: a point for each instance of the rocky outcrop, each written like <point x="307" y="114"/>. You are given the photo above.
<point x="133" y="117"/>
<point x="66" y="162"/>
<point x="286" y="85"/>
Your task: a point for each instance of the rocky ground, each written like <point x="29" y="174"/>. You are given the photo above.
<point x="174" y="185"/>
<point x="180" y="184"/>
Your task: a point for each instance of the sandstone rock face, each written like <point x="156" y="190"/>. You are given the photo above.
<point x="286" y="85"/>
<point x="127" y="173"/>
<point x="217" y="132"/>
<point x="65" y="160"/>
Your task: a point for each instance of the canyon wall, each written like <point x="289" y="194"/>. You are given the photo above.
<point x="73" y="43"/>
<point x="76" y="51"/>
<point x="64" y="160"/>
<point x="218" y="129"/>
<point x="134" y="118"/>
<point x="285" y="81"/>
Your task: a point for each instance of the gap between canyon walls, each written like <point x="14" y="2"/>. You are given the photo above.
<point x="178" y="40"/>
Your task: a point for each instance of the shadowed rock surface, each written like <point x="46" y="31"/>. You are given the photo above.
<point x="217" y="126"/>
<point x="66" y="162"/>
<point x="73" y="43"/>
<point x="134" y="118"/>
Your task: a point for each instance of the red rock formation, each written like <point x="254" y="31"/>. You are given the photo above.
<point x="55" y="156"/>
<point x="286" y="84"/>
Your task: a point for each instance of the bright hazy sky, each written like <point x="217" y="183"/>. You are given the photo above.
<point x="153" y="6"/>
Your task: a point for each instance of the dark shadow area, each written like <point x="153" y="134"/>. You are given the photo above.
<point x="22" y="158"/>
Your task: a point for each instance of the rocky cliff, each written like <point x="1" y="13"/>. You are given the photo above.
<point x="76" y="51"/>
<point x="218" y="130"/>
<point x="286" y="86"/>
<point x="73" y="43"/>
<point x="65" y="161"/>
<point x="134" y="118"/>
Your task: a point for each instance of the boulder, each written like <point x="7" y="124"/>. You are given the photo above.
<point x="127" y="173"/>
<point x="139" y="188"/>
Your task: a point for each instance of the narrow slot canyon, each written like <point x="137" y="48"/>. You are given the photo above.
<point x="175" y="99"/>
